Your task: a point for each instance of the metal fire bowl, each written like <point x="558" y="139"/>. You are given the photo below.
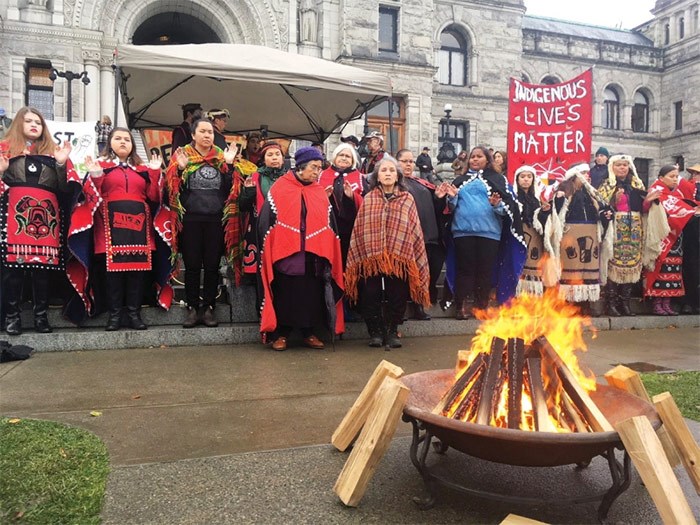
<point x="519" y="447"/>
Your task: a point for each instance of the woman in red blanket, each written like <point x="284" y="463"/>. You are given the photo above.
<point x="387" y="255"/>
<point x="34" y="173"/>
<point x="301" y="265"/>
<point x="199" y="182"/>
<point x="123" y="229"/>
<point x="663" y="255"/>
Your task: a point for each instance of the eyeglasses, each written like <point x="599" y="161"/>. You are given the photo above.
<point x="315" y="167"/>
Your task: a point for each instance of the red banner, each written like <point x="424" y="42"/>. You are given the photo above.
<point x="549" y="126"/>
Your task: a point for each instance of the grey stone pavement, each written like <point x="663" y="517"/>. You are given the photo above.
<point x="240" y="434"/>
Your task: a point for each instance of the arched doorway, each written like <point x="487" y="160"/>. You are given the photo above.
<point x="174" y="28"/>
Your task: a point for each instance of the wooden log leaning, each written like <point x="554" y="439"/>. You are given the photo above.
<point x="539" y="398"/>
<point x="630" y="381"/>
<point x="372" y="443"/>
<point x="594" y="417"/>
<point x="352" y="423"/>
<point x="457" y="390"/>
<point x="646" y="453"/>
<point x="489" y="388"/>
<point x="679" y="432"/>
<point x="514" y="519"/>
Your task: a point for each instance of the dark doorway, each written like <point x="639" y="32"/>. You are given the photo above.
<point x="174" y="28"/>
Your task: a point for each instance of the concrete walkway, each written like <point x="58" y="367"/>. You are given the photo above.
<point x="239" y="434"/>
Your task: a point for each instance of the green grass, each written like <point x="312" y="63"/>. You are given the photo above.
<point x="684" y="387"/>
<point x="50" y="473"/>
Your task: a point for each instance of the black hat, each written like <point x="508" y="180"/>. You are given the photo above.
<point x="191" y="106"/>
<point x="352" y="139"/>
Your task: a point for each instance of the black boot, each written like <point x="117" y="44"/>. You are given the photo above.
<point x="611" y="290"/>
<point x="13" y="301"/>
<point x="392" y="337"/>
<point x="419" y="313"/>
<point x="114" y="282"/>
<point x="40" y="297"/>
<point x="625" y="297"/>
<point x="134" y="294"/>
<point x="375" y="327"/>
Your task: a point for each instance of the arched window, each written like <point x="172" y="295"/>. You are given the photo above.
<point x="452" y="58"/>
<point x="525" y="78"/>
<point x="611" y="109"/>
<point x="550" y="80"/>
<point x="640" y="113"/>
<point x="681" y="27"/>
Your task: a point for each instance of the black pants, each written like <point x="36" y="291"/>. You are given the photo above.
<point x="201" y="245"/>
<point x="436" y="260"/>
<point x="13" y="283"/>
<point x="691" y="259"/>
<point x="476" y="259"/>
<point x="396" y="294"/>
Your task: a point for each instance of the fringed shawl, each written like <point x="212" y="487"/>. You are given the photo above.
<point x="387" y="239"/>
<point x="233" y="228"/>
<point x="176" y="180"/>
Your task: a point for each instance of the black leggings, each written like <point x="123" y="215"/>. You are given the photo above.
<point x="201" y="245"/>
<point x="396" y="294"/>
<point x="476" y="260"/>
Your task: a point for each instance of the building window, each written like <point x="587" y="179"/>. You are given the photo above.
<point x="681" y="28"/>
<point x="680" y="160"/>
<point x="678" y="112"/>
<point x="611" y="109"/>
<point x="642" y="166"/>
<point x="452" y="58"/>
<point x="550" y="80"/>
<point x="667" y="34"/>
<point x="39" y="90"/>
<point x="640" y="113"/>
<point x="388" y="30"/>
<point x="378" y="120"/>
<point x="459" y="131"/>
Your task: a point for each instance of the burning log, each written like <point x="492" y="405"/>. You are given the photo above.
<point x="578" y="395"/>
<point x="488" y="396"/>
<point x="539" y="399"/>
<point x="461" y="384"/>
<point x="516" y="364"/>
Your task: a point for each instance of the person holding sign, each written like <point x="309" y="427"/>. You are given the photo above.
<point x="34" y="172"/>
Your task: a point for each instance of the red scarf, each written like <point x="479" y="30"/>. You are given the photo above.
<point x="283" y="239"/>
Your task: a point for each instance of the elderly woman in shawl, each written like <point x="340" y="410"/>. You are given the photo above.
<point x="586" y="242"/>
<point x="199" y="183"/>
<point x="624" y="192"/>
<point x="669" y="211"/>
<point x="387" y="259"/>
<point x="301" y="267"/>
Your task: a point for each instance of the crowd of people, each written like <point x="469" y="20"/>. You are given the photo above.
<point x="329" y="240"/>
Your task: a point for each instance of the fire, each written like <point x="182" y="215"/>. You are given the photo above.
<point x="526" y="318"/>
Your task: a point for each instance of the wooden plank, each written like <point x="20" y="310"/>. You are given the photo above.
<point x="372" y="443"/>
<point x="646" y="453"/>
<point x="630" y="381"/>
<point x="514" y="519"/>
<point x="539" y="398"/>
<point x="679" y="433"/>
<point x="594" y="417"/>
<point x="352" y="423"/>
<point x="488" y="388"/>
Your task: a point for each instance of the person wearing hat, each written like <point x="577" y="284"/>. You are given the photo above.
<point x="352" y="140"/>
<point x="301" y="266"/>
<point x="375" y="147"/>
<point x="5" y="122"/>
<point x="182" y="134"/>
<point x="219" y="118"/>
<point x="253" y="147"/>
<point x="668" y="213"/>
<point x="599" y="170"/>
<point x="624" y="192"/>
<point x="425" y="164"/>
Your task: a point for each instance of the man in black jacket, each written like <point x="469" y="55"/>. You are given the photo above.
<point x="599" y="170"/>
<point x="182" y="135"/>
<point x="425" y="165"/>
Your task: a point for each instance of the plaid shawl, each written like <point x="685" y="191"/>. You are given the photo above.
<point x="387" y="239"/>
<point x="233" y="238"/>
<point x="174" y="181"/>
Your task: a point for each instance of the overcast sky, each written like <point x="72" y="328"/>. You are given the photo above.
<point x="610" y="13"/>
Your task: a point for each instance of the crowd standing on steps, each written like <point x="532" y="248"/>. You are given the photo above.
<point x="328" y="239"/>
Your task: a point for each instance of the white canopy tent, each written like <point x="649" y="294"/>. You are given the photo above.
<point x="289" y="95"/>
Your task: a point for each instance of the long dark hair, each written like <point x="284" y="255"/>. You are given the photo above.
<point x="133" y="157"/>
<point x="487" y="154"/>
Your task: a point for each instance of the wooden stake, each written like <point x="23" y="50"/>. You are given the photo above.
<point x="352" y="423"/>
<point x="372" y="443"/>
<point x="594" y="417"/>
<point x="630" y="381"/>
<point x="514" y="519"/>
<point x="646" y="452"/>
<point x="680" y="435"/>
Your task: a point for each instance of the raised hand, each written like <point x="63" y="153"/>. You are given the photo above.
<point x="248" y="182"/>
<point x="156" y="161"/>
<point x="93" y="166"/>
<point x="4" y="162"/>
<point x="495" y="199"/>
<point x="347" y="189"/>
<point x="62" y="152"/>
<point x="181" y="158"/>
<point x="230" y="153"/>
<point x="652" y="195"/>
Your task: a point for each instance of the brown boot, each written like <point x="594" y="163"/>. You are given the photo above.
<point x="192" y="318"/>
<point x="208" y="318"/>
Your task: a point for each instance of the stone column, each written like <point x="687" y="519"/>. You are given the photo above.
<point x="91" y="110"/>
<point x="106" y="86"/>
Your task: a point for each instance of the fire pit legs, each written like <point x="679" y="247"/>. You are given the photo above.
<point x="422" y="438"/>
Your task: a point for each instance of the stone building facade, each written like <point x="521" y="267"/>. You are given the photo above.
<point x="437" y="52"/>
